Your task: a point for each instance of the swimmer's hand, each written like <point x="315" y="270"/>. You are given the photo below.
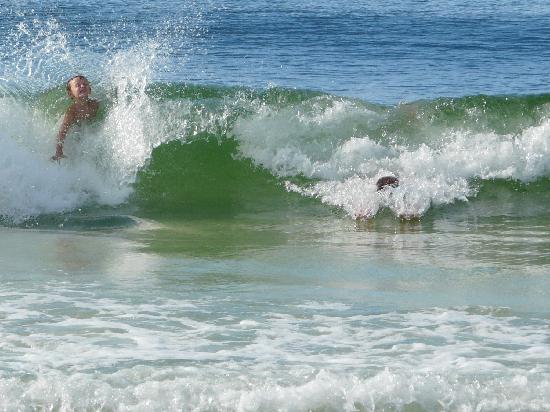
<point x="57" y="157"/>
<point x="58" y="152"/>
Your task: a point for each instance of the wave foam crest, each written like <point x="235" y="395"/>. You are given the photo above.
<point x="440" y="170"/>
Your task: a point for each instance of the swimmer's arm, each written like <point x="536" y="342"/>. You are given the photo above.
<point x="68" y="120"/>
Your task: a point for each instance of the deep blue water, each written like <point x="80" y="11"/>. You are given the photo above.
<point x="402" y="51"/>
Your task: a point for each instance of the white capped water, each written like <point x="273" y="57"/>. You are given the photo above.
<point x="94" y="321"/>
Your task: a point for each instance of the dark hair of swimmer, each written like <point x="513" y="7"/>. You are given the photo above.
<point x="387" y="181"/>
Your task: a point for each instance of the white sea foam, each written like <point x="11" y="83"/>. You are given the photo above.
<point x="324" y="306"/>
<point x="102" y="160"/>
<point x="325" y="138"/>
<point x="299" y="139"/>
<point x="346" y="168"/>
<point x="82" y="350"/>
<point x="142" y="388"/>
<point x="32" y="185"/>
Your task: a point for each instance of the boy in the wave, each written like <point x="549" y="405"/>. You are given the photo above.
<point x="82" y="108"/>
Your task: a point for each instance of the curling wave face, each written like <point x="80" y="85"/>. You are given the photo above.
<point x="162" y="145"/>
<point x="322" y="146"/>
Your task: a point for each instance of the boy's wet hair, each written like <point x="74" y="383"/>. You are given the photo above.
<point x="78" y="76"/>
<point x="387" y="181"/>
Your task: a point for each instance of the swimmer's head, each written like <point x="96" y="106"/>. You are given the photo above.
<point x="386" y="181"/>
<point x="78" y="87"/>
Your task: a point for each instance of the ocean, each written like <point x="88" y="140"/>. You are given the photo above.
<point x="215" y="240"/>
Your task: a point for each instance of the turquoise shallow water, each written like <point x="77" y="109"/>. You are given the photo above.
<point x="242" y="315"/>
<point x="215" y="241"/>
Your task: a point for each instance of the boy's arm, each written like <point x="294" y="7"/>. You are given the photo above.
<point x="68" y="120"/>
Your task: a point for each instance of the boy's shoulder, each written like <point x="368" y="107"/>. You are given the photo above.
<point x="92" y="104"/>
<point x="79" y="106"/>
<point x="94" y="107"/>
<point x="78" y="111"/>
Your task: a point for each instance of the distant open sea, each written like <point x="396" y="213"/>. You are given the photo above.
<point x="215" y="240"/>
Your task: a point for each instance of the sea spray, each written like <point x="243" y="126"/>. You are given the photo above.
<point x="130" y="127"/>
<point x="321" y="146"/>
<point x="104" y="157"/>
<point x="35" y="54"/>
<point x="100" y="166"/>
<point x="434" y="169"/>
<point x="201" y="282"/>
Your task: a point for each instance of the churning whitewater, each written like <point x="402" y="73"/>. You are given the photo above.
<point x="318" y="145"/>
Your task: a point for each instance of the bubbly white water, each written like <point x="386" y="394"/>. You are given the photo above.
<point x="102" y="159"/>
<point x="319" y="141"/>
<point x="95" y="322"/>
<point x="321" y="138"/>
<point x="83" y="350"/>
<point x="31" y="184"/>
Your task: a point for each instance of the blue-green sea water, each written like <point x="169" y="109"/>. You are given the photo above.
<point x="215" y="240"/>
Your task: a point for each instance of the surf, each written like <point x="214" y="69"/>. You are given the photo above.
<point x="187" y="139"/>
<point x="173" y="147"/>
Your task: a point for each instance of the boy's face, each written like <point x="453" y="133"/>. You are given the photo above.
<point x="79" y="88"/>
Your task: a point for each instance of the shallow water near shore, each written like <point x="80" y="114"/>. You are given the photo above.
<point x="248" y="313"/>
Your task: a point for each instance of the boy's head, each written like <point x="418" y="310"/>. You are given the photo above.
<point x="78" y="87"/>
<point x="387" y="181"/>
